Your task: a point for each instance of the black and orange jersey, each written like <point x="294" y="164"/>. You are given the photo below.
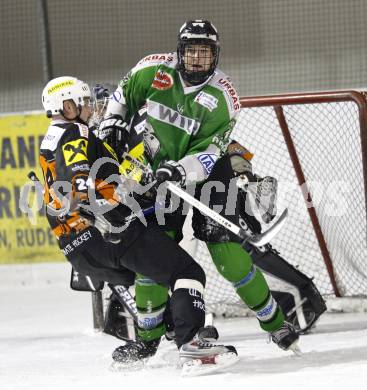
<point x="68" y="152"/>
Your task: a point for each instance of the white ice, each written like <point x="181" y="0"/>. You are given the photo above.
<point x="47" y="342"/>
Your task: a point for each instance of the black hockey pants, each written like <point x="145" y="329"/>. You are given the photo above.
<point x="148" y="251"/>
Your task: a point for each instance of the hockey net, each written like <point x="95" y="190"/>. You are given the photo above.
<point x="315" y="144"/>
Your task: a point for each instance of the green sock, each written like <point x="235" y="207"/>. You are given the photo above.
<point x="236" y="266"/>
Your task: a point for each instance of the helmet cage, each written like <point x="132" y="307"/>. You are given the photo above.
<point x="101" y="95"/>
<point x="197" y="32"/>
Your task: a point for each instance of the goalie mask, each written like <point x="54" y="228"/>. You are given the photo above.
<point x="197" y="51"/>
<point x="101" y="94"/>
<point x="64" y="88"/>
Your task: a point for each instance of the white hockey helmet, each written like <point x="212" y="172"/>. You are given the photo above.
<point x="63" y="88"/>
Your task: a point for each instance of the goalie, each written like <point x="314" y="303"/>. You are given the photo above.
<point x="302" y="304"/>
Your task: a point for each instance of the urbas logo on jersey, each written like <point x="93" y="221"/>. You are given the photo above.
<point x="226" y="83"/>
<point x="75" y="151"/>
<point x="162" y="80"/>
<point x="157" y="57"/>
<point x="207" y="161"/>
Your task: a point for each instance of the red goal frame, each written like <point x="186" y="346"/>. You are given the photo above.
<point x="277" y="102"/>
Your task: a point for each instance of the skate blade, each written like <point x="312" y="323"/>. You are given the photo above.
<point x="127" y="367"/>
<point x="295" y="349"/>
<point x="197" y="367"/>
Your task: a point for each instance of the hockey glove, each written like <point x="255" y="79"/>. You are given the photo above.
<point x="114" y="131"/>
<point x="266" y="197"/>
<point x="264" y="191"/>
<point x="171" y="171"/>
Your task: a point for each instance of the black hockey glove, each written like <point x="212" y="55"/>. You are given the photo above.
<point x="114" y="131"/>
<point x="171" y="171"/>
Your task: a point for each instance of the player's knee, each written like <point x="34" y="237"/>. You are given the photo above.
<point x="230" y="260"/>
<point x="192" y="272"/>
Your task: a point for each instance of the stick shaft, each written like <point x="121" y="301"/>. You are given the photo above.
<point x="205" y="209"/>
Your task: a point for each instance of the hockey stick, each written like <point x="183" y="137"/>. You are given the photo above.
<point x="257" y="240"/>
<point x="125" y="298"/>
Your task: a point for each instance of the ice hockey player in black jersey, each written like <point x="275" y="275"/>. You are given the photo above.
<point x="94" y="224"/>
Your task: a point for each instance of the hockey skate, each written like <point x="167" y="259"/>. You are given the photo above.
<point x="133" y="354"/>
<point x="286" y="338"/>
<point x="200" y="356"/>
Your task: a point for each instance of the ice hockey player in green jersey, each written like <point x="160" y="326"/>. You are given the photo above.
<point x="191" y="109"/>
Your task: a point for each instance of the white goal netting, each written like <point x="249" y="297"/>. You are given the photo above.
<point x="327" y="140"/>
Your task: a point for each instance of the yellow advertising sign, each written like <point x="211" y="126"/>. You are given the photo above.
<point x="22" y="239"/>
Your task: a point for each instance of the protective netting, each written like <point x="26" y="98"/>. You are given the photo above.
<point x="328" y="143"/>
<point x="267" y="47"/>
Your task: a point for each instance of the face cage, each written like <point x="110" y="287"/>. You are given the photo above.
<point x="196" y="78"/>
<point x="99" y="109"/>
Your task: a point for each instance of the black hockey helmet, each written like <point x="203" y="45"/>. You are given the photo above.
<point x="197" y="32"/>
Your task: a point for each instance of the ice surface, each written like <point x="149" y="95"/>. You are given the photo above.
<point x="47" y="342"/>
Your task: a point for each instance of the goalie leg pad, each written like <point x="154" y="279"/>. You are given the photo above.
<point x="118" y="321"/>
<point x="305" y="304"/>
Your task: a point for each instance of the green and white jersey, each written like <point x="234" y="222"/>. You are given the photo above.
<point x="190" y="125"/>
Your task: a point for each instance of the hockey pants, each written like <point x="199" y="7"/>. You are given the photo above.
<point x="159" y="258"/>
